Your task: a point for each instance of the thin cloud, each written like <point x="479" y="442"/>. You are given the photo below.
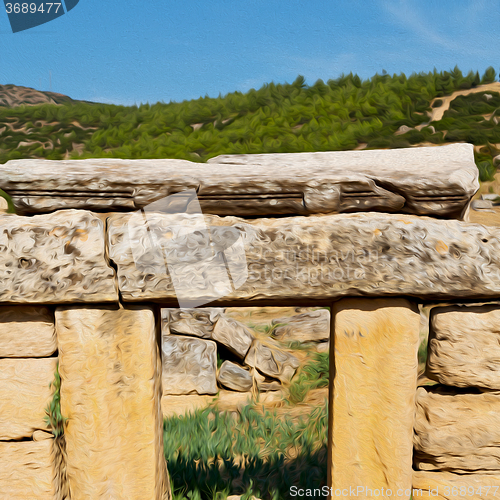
<point x="473" y="40"/>
<point x="408" y="17"/>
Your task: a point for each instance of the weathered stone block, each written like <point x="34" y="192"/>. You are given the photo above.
<point x="233" y="335"/>
<point x="235" y="377"/>
<point x="449" y="486"/>
<point x="375" y="378"/>
<point x="27" y="331"/>
<point x="311" y="326"/>
<point x="24" y="395"/>
<point x="319" y="258"/>
<point x="272" y="361"/>
<point x="189" y="365"/>
<point x="110" y="393"/>
<point x="55" y="258"/>
<point x="431" y="181"/>
<point x="464" y="346"/>
<point x="198" y="322"/>
<point x="425" y="181"/>
<point x="457" y="432"/>
<point x="27" y="470"/>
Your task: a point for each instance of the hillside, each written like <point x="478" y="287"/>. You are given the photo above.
<point x="346" y="113"/>
<point x="12" y="96"/>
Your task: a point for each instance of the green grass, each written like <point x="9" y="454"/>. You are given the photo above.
<point x="313" y="375"/>
<point x="54" y="418"/>
<point x="212" y="454"/>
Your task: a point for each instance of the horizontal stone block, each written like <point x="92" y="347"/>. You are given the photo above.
<point x="27" y="470"/>
<point x="314" y="258"/>
<point x="456" y="431"/>
<point x="27" y="331"/>
<point x="24" y="395"/>
<point x="424" y="180"/>
<point x="449" y="486"/>
<point x="55" y="258"/>
<point x="189" y="365"/>
<point x="311" y="326"/>
<point x="430" y="180"/>
<point x="464" y="346"/>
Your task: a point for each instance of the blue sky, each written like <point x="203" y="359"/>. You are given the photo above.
<point x="127" y="52"/>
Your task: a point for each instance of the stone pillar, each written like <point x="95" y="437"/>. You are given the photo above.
<point x="110" y="370"/>
<point x="375" y="343"/>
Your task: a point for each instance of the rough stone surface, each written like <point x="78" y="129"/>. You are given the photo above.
<point x="375" y="378"/>
<point x="233" y="335"/>
<point x="425" y="180"/>
<point x="306" y="327"/>
<point x="272" y="361"/>
<point x="189" y="365"/>
<point x="464" y="346"/>
<point x="198" y="322"/>
<point x="319" y="258"/>
<point x="110" y="392"/>
<point x="24" y="395"/>
<point x="234" y="377"/>
<point x="431" y="180"/>
<point x="27" y="470"/>
<point x="456" y="432"/>
<point x="56" y="258"/>
<point x="449" y="486"/>
<point x="27" y="331"/>
<point x="265" y="384"/>
<point x="262" y="316"/>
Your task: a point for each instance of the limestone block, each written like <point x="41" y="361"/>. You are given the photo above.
<point x="27" y="470"/>
<point x="55" y="258"/>
<point x="317" y="258"/>
<point x="262" y="316"/>
<point x="424" y="180"/>
<point x="312" y="326"/>
<point x="110" y="393"/>
<point x="189" y="365"/>
<point x="272" y="361"/>
<point x="375" y="379"/>
<point x="198" y="322"/>
<point x="27" y="331"/>
<point x="455" y="431"/>
<point x="24" y="395"/>
<point x="233" y="335"/>
<point x="235" y="377"/>
<point x="432" y="180"/>
<point x="464" y="346"/>
<point x="449" y="486"/>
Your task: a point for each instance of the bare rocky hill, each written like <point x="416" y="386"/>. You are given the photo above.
<point x="12" y="96"/>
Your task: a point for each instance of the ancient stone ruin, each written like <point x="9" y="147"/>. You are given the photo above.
<point x="375" y="235"/>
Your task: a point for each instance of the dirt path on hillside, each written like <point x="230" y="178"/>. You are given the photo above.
<point x="437" y="113"/>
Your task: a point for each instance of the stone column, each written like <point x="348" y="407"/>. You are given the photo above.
<point x="110" y="393"/>
<point x="372" y="404"/>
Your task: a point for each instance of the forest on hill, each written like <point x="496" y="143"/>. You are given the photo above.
<point x="345" y="113"/>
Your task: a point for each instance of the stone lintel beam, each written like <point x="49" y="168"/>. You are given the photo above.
<point x="436" y="181"/>
<point x="55" y="258"/>
<point x="314" y="258"/>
